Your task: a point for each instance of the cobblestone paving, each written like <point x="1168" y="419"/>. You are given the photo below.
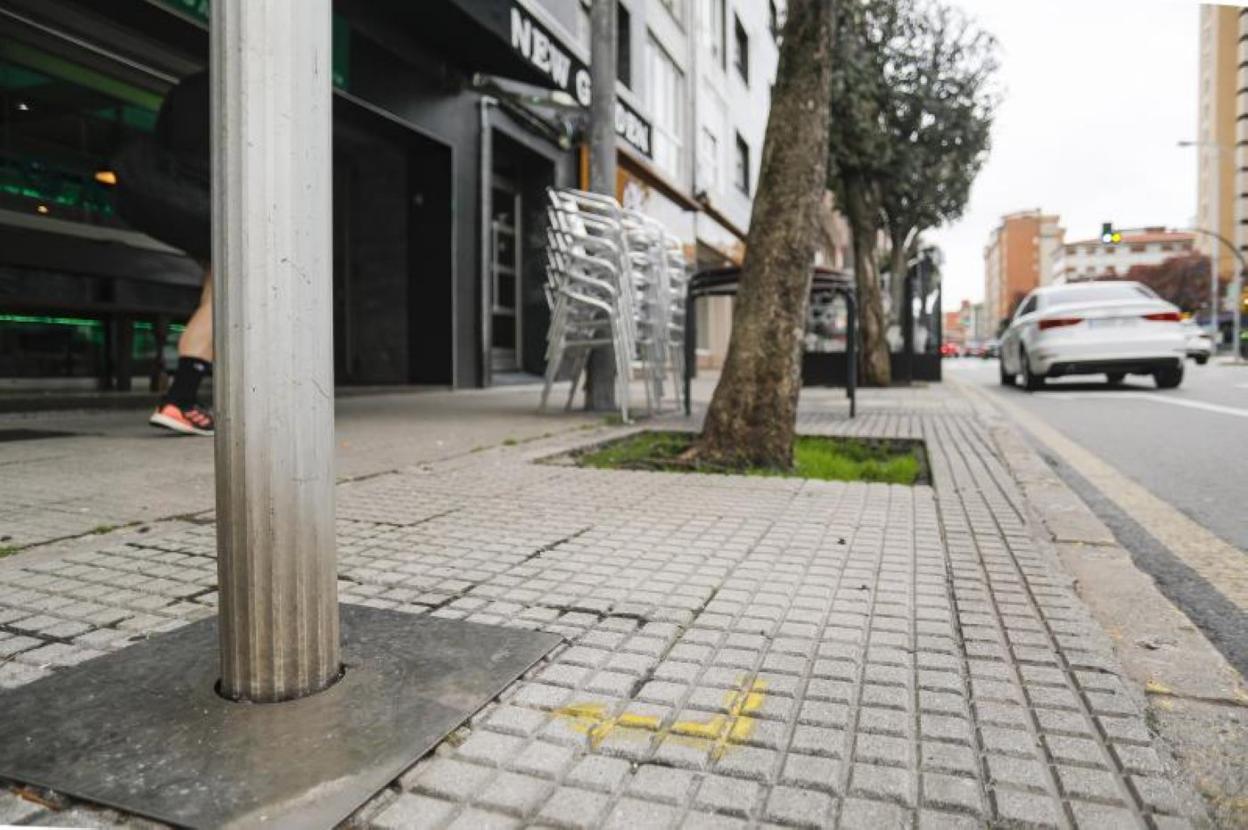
<point x="740" y="651"/>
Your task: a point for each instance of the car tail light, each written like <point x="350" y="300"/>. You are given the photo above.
<point x="1059" y="322"/>
<point x="1164" y="317"/>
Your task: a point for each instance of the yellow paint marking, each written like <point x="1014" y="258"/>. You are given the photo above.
<point x="592" y="720"/>
<point x="1157" y="688"/>
<point x="710" y="730"/>
<point x="650" y="722"/>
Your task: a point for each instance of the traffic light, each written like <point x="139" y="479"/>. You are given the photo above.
<point x="1109" y="236"/>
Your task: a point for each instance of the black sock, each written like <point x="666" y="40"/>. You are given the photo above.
<point x="186" y="379"/>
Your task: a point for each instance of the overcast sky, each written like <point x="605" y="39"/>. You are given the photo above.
<point x="1097" y="93"/>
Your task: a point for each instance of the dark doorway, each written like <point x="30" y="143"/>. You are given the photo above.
<point x="517" y="276"/>
<point x="392" y="253"/>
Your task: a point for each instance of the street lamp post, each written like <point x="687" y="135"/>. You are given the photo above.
<point x="1216" y="256"/>
<point x="272" y="237"/>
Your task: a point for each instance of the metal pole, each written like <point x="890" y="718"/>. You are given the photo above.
<point x="690" y="345"/>
<point x="1216" y="256"/>
<point x="851" y="349"/>
<point x="907" y="325"/>
<point x="600" y="385"/>
<point x="1241" y="164"/>
<point x="272" y="225"/>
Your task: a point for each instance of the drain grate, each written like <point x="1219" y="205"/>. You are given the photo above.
<point x="31" y="434"/>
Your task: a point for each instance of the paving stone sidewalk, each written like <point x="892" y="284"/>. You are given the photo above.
<point x="739" y="651"/>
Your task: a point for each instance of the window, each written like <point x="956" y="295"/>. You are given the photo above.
<point x="741" y="50"/>
<point x="1028" y="306"/>
<point x="714" y="31"/>
<point x="741" y="176"/>
<point x="624" y="47"/>
<point x="674" y="8"/>
<point x="667" y="103"/>
<point x="1095" y="292"/>
<point x="708" y="161"/>
<point x="1138" y="249"/>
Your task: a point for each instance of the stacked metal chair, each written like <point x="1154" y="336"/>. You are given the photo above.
<point x="588" y="287"/>
<point x="677" y="269"/>
<point x="645" y="238"/>
<point x="614" y="277"/>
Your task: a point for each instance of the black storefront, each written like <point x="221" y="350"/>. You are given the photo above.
<point x="439" y="173"/>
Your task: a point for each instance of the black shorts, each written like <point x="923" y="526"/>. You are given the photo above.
<point x="166" y="197"/>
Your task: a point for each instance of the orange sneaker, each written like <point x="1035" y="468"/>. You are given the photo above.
<point x="194" y="420"/>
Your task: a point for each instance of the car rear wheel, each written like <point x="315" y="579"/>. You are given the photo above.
<point x="1007" y="378"/>
<point x="1031" y="381"/>
<point x="1114" y="378"/>
<point x="1168" y="378"/>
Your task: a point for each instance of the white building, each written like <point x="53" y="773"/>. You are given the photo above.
<point x="1091" y="259"/>
<point x="736" y="59"/>
<point x="701" y="71"/>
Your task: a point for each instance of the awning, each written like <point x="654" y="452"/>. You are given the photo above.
<point x="514" y="39"/>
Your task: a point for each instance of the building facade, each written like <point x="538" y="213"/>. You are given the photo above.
<point x="735" y="55"/>
<point x="1092" y="259"/>
<point x="1019" y="256"/>
<point x="1215" y="132"/>
<point x="451" y="117"/>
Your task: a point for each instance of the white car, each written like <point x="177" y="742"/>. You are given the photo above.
<point x="1199" y="343"/>
<point x="1115" y="328"/>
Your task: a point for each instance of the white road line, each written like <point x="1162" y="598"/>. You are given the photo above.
<point x="1148" y="396"/>
<point x="1218" y="562"/>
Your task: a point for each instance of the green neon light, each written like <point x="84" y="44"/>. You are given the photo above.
<point x="79" y="322"/>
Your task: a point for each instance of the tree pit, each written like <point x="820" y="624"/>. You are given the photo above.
<point x="818" y="457"/>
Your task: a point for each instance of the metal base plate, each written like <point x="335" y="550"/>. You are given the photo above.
<point x="144" y="731"/>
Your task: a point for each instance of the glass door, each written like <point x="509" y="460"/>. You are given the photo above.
<point x="505" y="272"/>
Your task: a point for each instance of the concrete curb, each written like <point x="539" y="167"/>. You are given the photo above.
<point x="1195" y="701"/>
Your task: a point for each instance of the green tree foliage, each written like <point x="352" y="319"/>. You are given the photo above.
<point x="911" y="113"/>
<point x="939" y="119"/>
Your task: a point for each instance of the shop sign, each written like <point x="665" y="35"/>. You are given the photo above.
<point x="630" y="126"/>
<point x="539" y="47"/>
<point x="568" y="73"/>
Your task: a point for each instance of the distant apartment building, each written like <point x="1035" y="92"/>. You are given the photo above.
<point x="1215" y="132"/>
<point x="1091" y="259"/>
<point x="1019" y="256"/>
<point x="953" y="329"/>
<point x="979" y="322"/>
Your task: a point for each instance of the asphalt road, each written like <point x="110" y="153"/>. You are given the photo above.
<point x="1188" y="447"/>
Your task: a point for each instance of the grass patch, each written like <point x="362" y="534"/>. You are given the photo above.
<point x="818" y="457"/>
<point x="8" y="550"/>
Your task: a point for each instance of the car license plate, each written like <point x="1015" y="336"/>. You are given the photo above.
<point x="1111" y="322"/>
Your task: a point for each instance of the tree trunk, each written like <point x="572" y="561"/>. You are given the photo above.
<point x="864" y="226"/>
<point x="753" y="414"/>
<point x="897" y="268"/>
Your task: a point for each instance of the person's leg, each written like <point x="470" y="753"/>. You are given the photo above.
<point x="196" y="340"/>
<point x="179" y="410"/>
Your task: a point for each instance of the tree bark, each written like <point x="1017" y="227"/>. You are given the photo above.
<point x="753" y="414"/>
<point x="874" y="364"/>
<point x="897" y="269"/>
